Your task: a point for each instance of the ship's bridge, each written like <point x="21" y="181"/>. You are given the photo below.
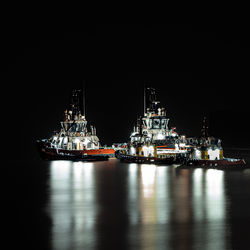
<point x="74" y="126"/>
<point x="155" y="122"/>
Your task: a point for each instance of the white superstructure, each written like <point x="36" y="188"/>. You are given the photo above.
<point x="74" y="134"/>
<point x="152" y="129"/>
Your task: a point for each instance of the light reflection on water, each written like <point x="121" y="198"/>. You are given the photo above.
<point x="162" y="207"/>
<point x="72" y="203"/>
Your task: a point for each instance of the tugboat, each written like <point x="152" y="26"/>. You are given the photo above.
<point x="207" y="152"/>
<point x="74" y="142"/>
<point x="152" y="141"/>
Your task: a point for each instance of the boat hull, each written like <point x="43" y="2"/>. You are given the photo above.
<point x="227" y="163"/>
<point x="148" y="160"/>
<point x="48" y="153"/>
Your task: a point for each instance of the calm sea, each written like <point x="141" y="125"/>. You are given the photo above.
<point x="112" y="205"/>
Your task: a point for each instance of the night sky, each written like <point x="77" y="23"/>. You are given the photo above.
<point x="197" y="70"/>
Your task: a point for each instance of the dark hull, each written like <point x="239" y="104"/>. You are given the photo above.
<point x="217" y="164"/>
<point x="148" y="160"/>
<point x="48" y="153"/>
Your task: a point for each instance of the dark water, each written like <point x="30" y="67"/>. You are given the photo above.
<point x="112" y="205"/>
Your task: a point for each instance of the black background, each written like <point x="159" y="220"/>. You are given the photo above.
<point x="197" y="70"/>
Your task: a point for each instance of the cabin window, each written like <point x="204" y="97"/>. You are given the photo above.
<point x="163" y="123"/>
<point x="156" y="123"/>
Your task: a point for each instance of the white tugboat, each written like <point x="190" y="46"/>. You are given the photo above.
<point x="207" y="152"/>
<point x="152" y="141"/>
<point x="74" y="142"/>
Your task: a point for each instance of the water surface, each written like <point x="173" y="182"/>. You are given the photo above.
<point x="112" y="205"/>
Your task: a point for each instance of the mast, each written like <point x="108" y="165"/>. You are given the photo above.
<point x="83" y="99"/>
<point x="144" y="100"/>
<point x="204" y="129"/>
